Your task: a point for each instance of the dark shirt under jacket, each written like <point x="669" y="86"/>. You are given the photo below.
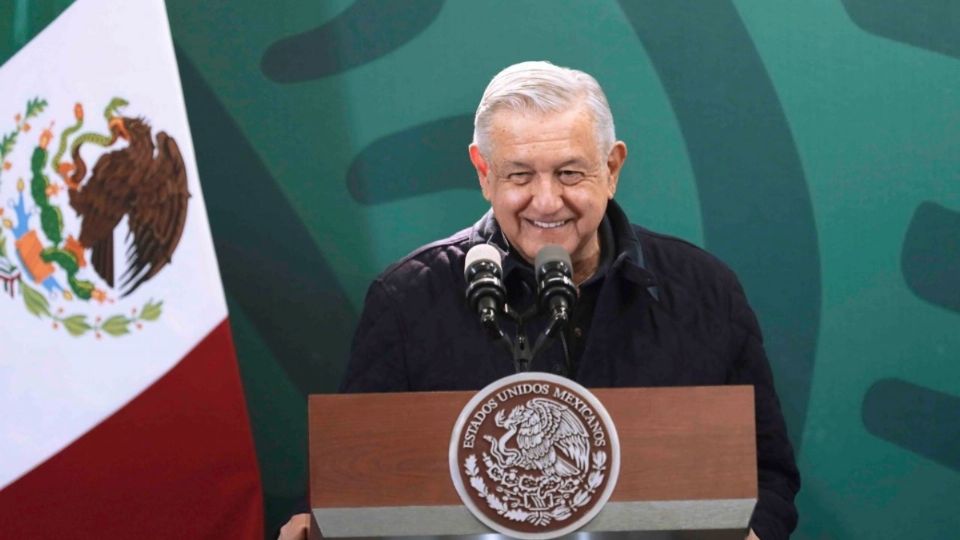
<point x="659" y="312"/>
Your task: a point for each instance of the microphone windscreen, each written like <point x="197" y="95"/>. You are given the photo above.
<point x="481" y="252"/>
<point x="552" y="253"/>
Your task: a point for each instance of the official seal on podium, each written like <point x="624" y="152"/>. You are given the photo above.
<point x="534" y="456"/>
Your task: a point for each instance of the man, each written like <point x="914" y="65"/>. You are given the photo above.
<point x="652" y="310"/>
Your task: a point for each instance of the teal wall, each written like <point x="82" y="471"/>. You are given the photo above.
<point x="814" y="146"/>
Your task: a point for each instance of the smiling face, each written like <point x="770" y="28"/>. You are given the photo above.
<point x="549" y="182"/>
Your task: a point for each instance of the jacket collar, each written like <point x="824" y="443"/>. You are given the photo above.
<point x="628" y="259"/>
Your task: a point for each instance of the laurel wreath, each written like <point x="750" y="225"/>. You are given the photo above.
<point x="77" y="324"/>
<point x="560" y="512"/>
<point x="34" y="107"/>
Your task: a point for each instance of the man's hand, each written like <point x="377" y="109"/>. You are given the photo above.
<point x="296" y="528"/>
<point x="752" y="535"/>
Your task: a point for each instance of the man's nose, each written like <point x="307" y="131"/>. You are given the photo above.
<point x="547" y="195"/>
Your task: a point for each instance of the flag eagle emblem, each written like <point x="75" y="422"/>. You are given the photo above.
<point x="137" y="175"/>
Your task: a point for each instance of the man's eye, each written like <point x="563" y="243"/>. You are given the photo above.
<point x="519" y="177"/>
<point x="570" y="177"/>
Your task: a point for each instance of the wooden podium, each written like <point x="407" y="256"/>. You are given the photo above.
<point x="379" y="465"/>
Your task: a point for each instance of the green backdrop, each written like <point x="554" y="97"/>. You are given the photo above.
<point x="811" y="145"/>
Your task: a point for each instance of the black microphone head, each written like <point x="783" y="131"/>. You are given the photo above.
<point x="555" y="283"/>
<point x="553" y="256"/>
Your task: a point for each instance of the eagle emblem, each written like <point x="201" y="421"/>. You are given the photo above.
<point x="534" y="456"/>
<point x="550" y="439"/>
<point x="63" y="217"/>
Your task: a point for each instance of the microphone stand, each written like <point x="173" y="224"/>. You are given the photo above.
<point x="520" y="349"/>
<point x="555" y="288"/>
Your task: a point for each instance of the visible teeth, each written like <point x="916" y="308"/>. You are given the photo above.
<point x="548" y="224"/>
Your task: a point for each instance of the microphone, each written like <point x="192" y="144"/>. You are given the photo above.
<point x="555" y="284"/>
<point x="485" y="292"/>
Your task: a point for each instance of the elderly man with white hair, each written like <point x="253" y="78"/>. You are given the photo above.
<point x="652" y="310"/>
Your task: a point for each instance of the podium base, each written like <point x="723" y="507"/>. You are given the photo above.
<point x="675" y="519"/>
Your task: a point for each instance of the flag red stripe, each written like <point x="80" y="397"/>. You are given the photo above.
<point x="176" y="462"/>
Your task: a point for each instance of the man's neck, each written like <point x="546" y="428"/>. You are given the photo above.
<point x="584" y="268"/>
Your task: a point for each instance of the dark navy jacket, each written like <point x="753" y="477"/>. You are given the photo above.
<point x="666" y="313"/>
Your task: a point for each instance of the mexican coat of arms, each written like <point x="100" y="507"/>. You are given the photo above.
<point x="60" y="215"/>
<point x="534" y="456"/>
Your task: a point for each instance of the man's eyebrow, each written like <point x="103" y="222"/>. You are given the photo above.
<point x="515" y="165"/>
<point x="575" y="161"/>
<point x="523" y="165"/>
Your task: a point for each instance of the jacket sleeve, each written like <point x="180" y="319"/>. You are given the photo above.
<point x="377" y="357"/>
<point x="775" y="515"/>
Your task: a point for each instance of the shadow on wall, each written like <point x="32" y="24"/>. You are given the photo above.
<point x="367" y="30"/>
<point x="755" y="204"/>
<point x="286" y="288"/>
<point x="930" y="25"/>
<point x="918" y="419"/>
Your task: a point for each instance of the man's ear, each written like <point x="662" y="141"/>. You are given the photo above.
<point x="483" y="170"/>
<point x="618" y="154"/>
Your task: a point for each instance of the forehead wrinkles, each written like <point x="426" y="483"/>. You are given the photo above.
<point x="543" y="137"/>
<point x="529" y="124"/>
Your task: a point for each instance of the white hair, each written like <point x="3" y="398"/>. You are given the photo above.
<point x="544" y="88"/>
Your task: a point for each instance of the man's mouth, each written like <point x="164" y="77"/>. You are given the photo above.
<point x="548" y="224"/>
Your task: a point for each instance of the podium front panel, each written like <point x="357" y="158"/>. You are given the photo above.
<point x="379" y="466"/>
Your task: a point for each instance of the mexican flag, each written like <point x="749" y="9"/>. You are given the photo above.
<point x="121" y="409"/>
